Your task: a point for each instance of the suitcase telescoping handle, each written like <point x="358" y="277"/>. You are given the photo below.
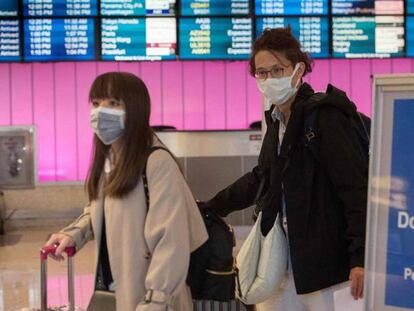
<point x="44" y="252"/>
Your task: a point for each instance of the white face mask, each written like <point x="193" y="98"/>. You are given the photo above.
<point x="107" y="123"/>
<point x="278" y="90"/>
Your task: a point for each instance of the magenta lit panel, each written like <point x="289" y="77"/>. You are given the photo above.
<point x="194" y="95"/>
<point x="5" y="99"/>
<point x="103" y="67"/>
<point x="236" y="95"/>
<point x="21" y="93"/>
<point x="172" y="94"/>
<point x="215" y="95"/>
<point x="341" y="74"/>
<point x="66" y="122"/>
<point x="44" y="119"/>
<point x="85" y="73"/>
<point x="254" y="101"/>
<point x="402" y="65"/>
<point x="199" y="95"/>
<point x="151" y="75"/>
<point x="320" y="78"/>
<point x="361" y="84"/>
<point x="380" y="66"/>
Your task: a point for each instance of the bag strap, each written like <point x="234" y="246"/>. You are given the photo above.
<point x="144" y="172"/>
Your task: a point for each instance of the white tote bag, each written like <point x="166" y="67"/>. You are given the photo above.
<point x="262" y="263"/>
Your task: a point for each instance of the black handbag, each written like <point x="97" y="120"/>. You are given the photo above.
<point x="102" y="300"/>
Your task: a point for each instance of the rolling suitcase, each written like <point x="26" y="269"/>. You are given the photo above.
<point x="44" y="252"/>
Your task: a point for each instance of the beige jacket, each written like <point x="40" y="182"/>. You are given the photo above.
<point x="148" y="251"/>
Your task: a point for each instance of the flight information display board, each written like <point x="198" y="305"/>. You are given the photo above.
<point x="367" y="7"/>
<point x="215" y="7"/>
<point x="215" y="38"/>
<point x="9" y="7"/>
<point x="290" y="7"/>
<point x="380" y="36"/>
<point x="9" y="40"/>
<point x="60" y="8"/>
<point x="137" y="7"/>
<point x="410" y="36"/>
<point x="312" y="32"/>
<point x="138" y="38"/>
<point x="59" y="39"/>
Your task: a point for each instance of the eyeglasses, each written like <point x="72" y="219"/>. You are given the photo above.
<point x="275" y="72"/>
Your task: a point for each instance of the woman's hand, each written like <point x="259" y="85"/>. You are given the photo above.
<point x="63" y="241"/>
<point x="356" y="276"/>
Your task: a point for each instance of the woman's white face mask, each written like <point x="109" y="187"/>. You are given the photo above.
<point x="278" y="90"/>
<point x="107" y="123"/>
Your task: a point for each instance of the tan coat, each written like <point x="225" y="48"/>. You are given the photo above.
<point x="171" y="230"/>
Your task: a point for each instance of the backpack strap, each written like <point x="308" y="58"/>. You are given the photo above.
<point x="311" y="135"/>
<point x="144" y="172"/>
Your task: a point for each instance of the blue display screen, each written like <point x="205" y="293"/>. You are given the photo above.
<point x="291" y="7"/>
<point x="410" y="6"/>
<point x="9" y="7"/>
<point x="9" y="40"/>
<point x="410" y="36"/>
<point x="367" y="7"/>
<point x="60" y="8"/>
<point x="312" y="32"/>
<point x="215" y="7"/>
<point x="137" y="7"/>
<point x="215" y="38"/>
<point x="59" y="39"/>
<point x="364" y="36"/>
<point x="138" y="38"/>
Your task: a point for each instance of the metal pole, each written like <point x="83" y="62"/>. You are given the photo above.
<point x="2" y="213"/>
<point x="71" y="291"/>
<point x="43" y="284"/>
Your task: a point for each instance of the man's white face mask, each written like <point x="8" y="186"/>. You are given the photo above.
<point x="278" y="90"/>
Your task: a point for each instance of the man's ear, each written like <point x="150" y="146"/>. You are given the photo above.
<point x="301" y="69"/>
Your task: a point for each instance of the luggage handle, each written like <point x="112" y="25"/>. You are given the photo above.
<point x="44" y="252"/>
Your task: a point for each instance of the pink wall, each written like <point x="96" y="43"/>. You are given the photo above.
<point x="202" y="95"/>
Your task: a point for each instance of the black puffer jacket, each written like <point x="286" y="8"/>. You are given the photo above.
<point x="325" y="198"/>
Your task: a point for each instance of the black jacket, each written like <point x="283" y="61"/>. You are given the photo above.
<point x="325" y="198"/>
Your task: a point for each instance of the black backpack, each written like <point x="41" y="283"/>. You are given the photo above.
<point x="361" y="124"/>
<point x="212" y="273"/>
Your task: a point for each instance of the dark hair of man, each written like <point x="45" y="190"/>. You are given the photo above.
<point x="280" y="40"/>
<point x="134" y="143"/>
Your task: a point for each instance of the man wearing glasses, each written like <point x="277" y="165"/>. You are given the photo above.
<point x="322" y="199"/>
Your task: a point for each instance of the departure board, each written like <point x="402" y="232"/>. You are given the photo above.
<point x="9" y="40"/>
<point x="137" y="7"/>
<point x="410" y="36"/>
<point x="380" y="36"/>
<point x="9" y="7"/>
<point x="59" y="39"/>
<point x="290" y="7"/>
<point x="215" y="7"/>
<point x="138" y="38"/>
<point x="410" y="6"/>
<point x="215" y="38"/>
<point x="60" y="8"/>
<point x="366" y="7"/>
<point x="312" y="32"/>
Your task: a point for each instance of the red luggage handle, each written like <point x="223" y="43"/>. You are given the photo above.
<point x="45" y="251"/>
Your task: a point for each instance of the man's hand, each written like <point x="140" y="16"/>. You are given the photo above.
<point x="356" y="276"/>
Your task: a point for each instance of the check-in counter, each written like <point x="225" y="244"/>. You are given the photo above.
<point x="212" y="160"/>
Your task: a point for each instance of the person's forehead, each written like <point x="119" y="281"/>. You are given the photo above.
<point x="267" y="58"/>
